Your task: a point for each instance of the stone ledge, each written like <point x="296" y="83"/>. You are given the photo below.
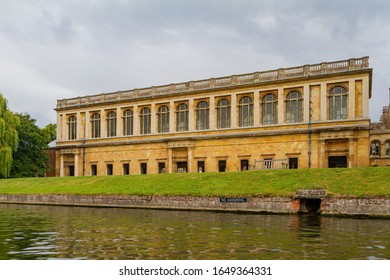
<point x="285" y="205"/>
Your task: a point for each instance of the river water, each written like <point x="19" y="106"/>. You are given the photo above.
<point x="56" y="232"/>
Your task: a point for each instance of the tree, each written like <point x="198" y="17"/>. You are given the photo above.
<point x="8" y="137"/>
<point x="51" y="132"/>
<point x="31" y="158"/>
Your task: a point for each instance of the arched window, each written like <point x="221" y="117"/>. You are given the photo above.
<point x="111" y="124"/>
<point x="72" y="128"/>
<point x="269" y="109"/>
<point x="223" y="113"/>
<point x="202" y="115"/>
<point x="375" y="148"/>
<point x="245" y="112"/>
<point x="338" y="103"/>
<point x="95" y="125"/>
<point x="144" y="121"/>
<point x="163" y="119"/>
<point x="128" y="122"/>
<point x="182" y="117"/>
<point x="387" y="148"/>
<point x="294" y="112"/>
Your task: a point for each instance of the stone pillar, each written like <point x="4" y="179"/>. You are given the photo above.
<point x="172" y="110"/>
<point x="352" y="153"/>
<point x="170" y="162"/>
<point x="103" y="120"/>
<point x="323" y="106"/>
<point x="76" y="164"/>
<point x="351" y="99"/>
<point x="59" y="128"/>
<point x="280" y="106"/>
<point x="119" y="122"/>
<point x="87" y="125"/>
<point x="153" y="121"/>
<point x="61" y="165"/>
<point x="322" y="154"/>
<point x="306" y="103"/>
<point x="190" y="159"/>
<point x="191" y="115"/>
<point x="233" y="111"/>
<point x="212" y="113"/>
<point x="365" y="97"/>
<point x="79" y="126"/>
<point x="64" y="127"/>
<point x="136" y="120"/>
<point x="256" y="108"/>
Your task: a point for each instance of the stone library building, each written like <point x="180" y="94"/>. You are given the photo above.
<point x="311" y="116"/>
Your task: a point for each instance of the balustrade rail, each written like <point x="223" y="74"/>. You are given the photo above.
<point x="244" y="79"/>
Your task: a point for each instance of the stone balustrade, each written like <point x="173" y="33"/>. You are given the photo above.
<point x="222" y="82"/>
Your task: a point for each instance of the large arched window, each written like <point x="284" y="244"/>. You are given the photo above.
<point x="95" y="125"/>
<point x="375" y="148"/>
<point x="182" y="117"/>
<point x="128" y="122"/>
<point x="223" y="113"/>
<point x="72" y="128"/>
<point x="294" y="111"/>
<point x="245" y="112"/>
<point x="111" y="124"/>
<point x="387" y="148"/>
<point x="144" y="121"/>
<point x="269" y="109"/>
<point x="163" y="119"/>
<point x="337" y="103"/>
<point x="202" y="115"/>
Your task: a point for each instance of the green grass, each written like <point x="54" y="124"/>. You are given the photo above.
<point x="354" y="182"/>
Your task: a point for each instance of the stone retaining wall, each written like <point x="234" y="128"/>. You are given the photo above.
<point x="288" y="205"/>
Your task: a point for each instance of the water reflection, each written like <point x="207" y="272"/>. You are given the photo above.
<point x="47" y="232"/>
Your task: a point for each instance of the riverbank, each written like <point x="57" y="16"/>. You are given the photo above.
<point x="358" y="191"/>
<point x="346" y="182"/>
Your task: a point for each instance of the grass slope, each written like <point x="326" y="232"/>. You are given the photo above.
<point x="356" y="182"/>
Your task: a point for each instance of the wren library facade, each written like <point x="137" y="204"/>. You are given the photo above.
<point x="312" y="116"/>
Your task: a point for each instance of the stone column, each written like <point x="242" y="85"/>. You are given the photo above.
<point x="233" y="111"/>
<point x="280" y="106"/>
<point x="212" y="113"/>
<point x="322" y="154"/>
<point x="172" y="110"/>
<point x="256" y="108"/>
<point x="103" y="120"/>
<point x="119" y="122"/>
<point x="79" y="126"/>
<point x="136" y="120"/>
<point x="323" y="106"/>
<point x="170" y="160"/>
<point x="76" y="164"/>
<point x="190" y="159"/>
<point x="61" y="165"/>
<point x="59" y="128"/>
<point x="306" y="103"/>
<point x="351" y="99"/>
<point x="87" y="125"/>
<point x="191" y="115"/>
<point x="153" y="121"/>
<point x="352" y="154"/>
<point x="64" y="127"/>
<point x="365" y="97"/>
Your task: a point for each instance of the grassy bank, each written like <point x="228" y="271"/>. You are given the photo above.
<point x="356" y="182"/>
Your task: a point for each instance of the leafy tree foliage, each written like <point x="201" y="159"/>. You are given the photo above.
<point x="8" y="137"/>
<point x="31" y="158"/>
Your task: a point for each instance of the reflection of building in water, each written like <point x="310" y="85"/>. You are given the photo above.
<point x="308" y="116"/>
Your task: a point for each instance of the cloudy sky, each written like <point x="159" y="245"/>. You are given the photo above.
<point x="52" y="50"/>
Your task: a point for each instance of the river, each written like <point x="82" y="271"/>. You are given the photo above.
<point x="56" y="232"/>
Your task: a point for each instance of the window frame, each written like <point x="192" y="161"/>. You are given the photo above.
<point x="182" y="117"/>
<point x="269" y="109"/>
<point x="245" y="111"/>
<point x="96" y="125"/>
<point x="72" y="127"/>
<point x="163" y="119"/>
<point x="111" y="124"/>
<point x="128" y="122"/>
<point x="202" y="115"/>
<point x="223" y="114"/>
<point x="338" y="103"/>
<point x="145" y="121"/>
<point x="294" y="107"/>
